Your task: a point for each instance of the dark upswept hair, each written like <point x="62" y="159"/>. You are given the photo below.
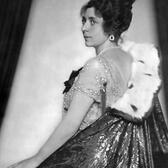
<point x="117" y="14"/>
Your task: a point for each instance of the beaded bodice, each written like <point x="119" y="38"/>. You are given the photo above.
<point x="97" y="71"/>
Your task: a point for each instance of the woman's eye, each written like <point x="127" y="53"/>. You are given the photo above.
<point x="92" y="22"/>
<point x="83" y="21"/>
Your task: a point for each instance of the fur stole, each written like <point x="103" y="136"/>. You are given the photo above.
<point x="144" y="82"/>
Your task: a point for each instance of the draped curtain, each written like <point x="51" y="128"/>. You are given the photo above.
<point x="161" y="11"/>
<point x="13" y="19"/>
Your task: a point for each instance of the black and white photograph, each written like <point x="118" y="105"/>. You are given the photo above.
<point x="83" y="84"/>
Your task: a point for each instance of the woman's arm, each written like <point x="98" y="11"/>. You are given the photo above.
<point x="65" y="130"/>
<point x="87" y="90"/>
<point x="69" y="125"/>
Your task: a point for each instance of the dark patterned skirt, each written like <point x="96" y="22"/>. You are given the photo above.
<point x="116" y="140"/>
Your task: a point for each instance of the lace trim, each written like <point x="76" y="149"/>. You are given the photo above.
<point x="115" y="85"/>
<point x="90" y="92"/>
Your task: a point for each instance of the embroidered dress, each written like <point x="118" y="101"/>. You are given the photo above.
<point x="131" y="132"/>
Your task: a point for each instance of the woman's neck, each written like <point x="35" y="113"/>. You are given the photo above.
<point x="107" y="44"/>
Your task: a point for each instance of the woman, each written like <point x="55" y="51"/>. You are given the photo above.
<point x="112" y="115"/>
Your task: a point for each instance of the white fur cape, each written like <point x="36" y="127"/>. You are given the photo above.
<point x="144" y="81"/>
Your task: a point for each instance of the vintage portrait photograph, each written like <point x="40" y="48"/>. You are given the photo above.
<point x="83" y="84"/>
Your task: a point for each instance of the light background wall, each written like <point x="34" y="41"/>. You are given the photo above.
<point x="53" y="46"/>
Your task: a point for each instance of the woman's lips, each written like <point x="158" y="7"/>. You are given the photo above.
<point x="87" y="37"/>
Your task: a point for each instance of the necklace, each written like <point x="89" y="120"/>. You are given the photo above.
<point x="106" y="49"/>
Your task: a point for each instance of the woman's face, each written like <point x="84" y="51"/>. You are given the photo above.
<point x="92" y="29"/>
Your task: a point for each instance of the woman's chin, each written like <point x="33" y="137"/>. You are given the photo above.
<point x="88" y="44"/>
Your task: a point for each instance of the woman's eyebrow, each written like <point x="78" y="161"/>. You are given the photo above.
<point x="92" y="18"/>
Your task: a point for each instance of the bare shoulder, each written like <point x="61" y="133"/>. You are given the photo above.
<point x="121" y="58"/>
<point x="123" y="61"/>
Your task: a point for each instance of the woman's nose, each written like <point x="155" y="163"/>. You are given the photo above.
<point x="85" y="27"/>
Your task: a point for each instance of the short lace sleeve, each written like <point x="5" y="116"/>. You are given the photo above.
<point x="91" y="79"/>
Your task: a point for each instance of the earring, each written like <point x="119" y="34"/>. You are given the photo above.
<point x="111" y="38"/>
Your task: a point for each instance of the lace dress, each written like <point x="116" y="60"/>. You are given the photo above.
<point x="131" y="131"/>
